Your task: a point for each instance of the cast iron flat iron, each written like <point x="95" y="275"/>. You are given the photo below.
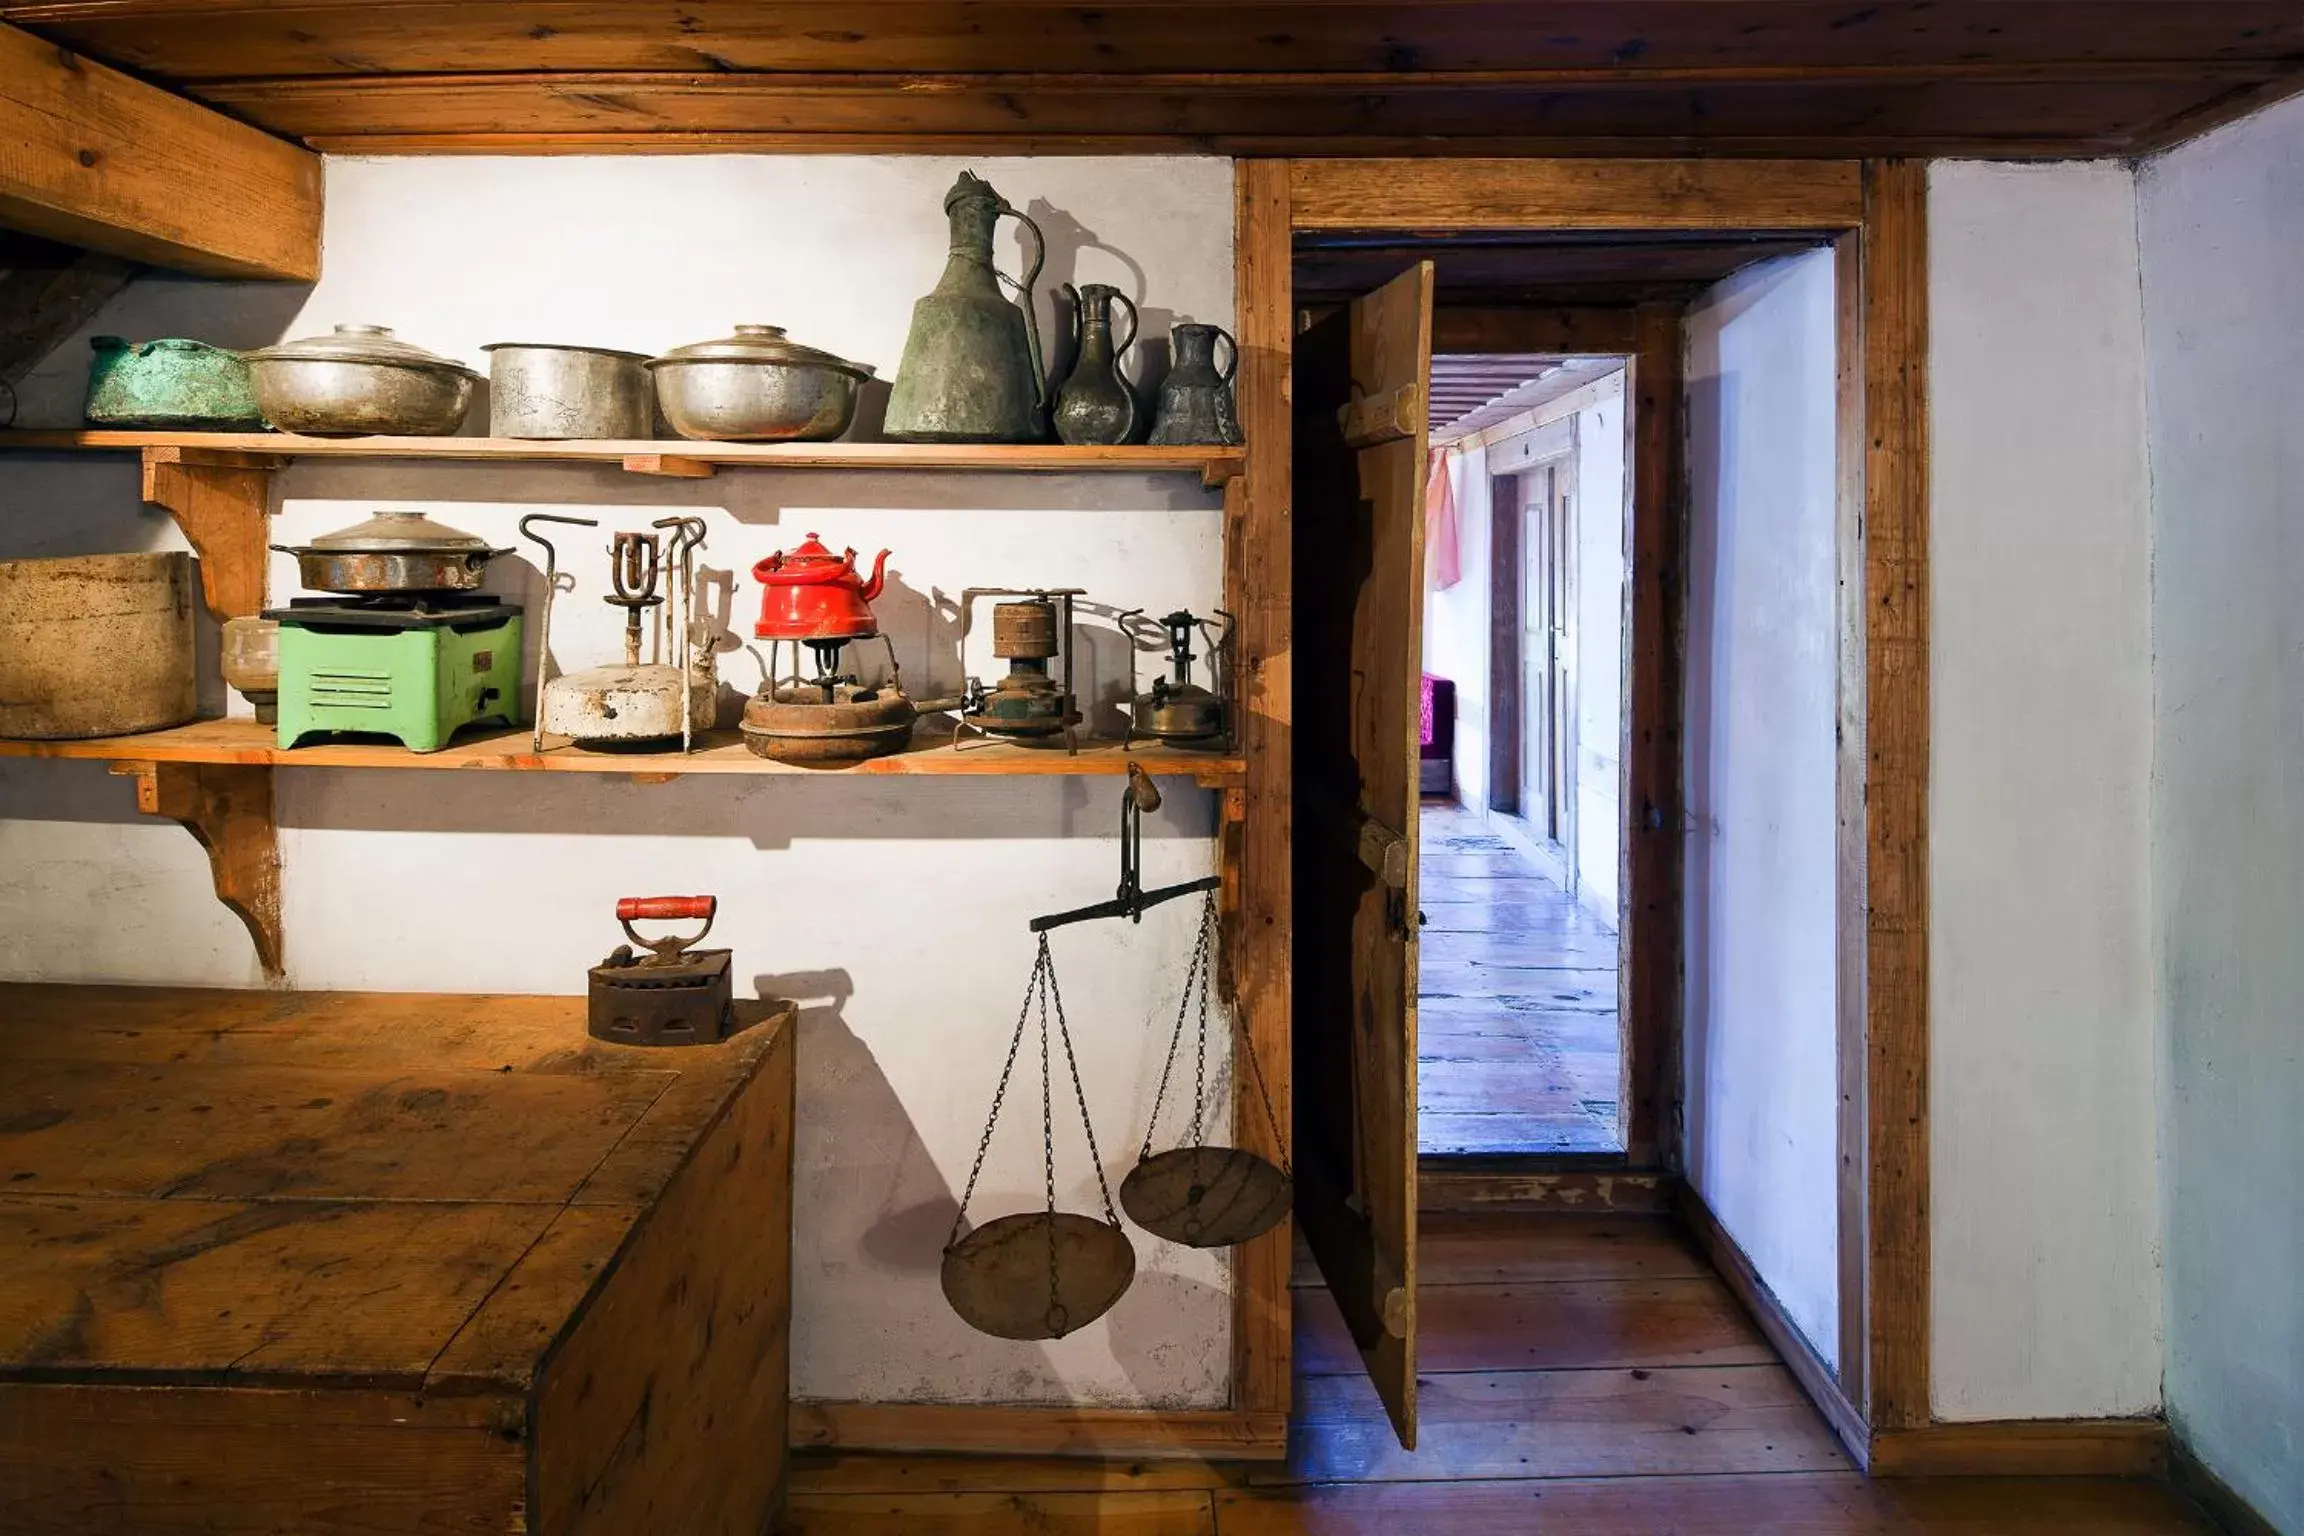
<point x="676" y="994"/>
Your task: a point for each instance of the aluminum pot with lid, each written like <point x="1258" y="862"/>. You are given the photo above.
<point x="757" y="386"/>
<point x="393" y="552"/>
<point x="360" y="380"/>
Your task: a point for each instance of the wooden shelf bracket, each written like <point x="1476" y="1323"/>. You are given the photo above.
<point x="222" y="500"/>
<point x="228" y="807"/>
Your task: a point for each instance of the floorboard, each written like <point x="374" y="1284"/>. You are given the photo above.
<point x="1656" y="1409"/>
<point x="1517" y="1023"/>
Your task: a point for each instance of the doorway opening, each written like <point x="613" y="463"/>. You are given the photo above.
<point x="1519" y="1047"/>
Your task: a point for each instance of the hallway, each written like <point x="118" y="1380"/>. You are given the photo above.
<point x="1581" y="1376"/>
<point x="1517" y="1046"/>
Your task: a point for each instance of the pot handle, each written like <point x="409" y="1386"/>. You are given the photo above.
<point x="1231" y="346"/>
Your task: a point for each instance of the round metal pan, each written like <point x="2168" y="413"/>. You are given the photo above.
<point x="1206" y="1197"/>
<point x="1040" y="1275"/>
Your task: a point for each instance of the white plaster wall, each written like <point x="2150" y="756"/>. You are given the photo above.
<point x="1762" y="1093"/>
<point x="2222" y="224"/>
<point x="894" y="908"/>
<point x="2045" y="1269"/>
<point x="1456" y="626"/>
<point x="1602" y="542"/>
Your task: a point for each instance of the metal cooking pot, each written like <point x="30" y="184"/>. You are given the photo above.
<point x="393" y="552"/>
<point x="171" y="382"/>
<point x="539" y="390"/>
<point x="359" y="381"/>
<point x="757" y="386"/>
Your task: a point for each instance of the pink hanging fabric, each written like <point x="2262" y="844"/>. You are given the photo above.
<point x="1443" y="561"/>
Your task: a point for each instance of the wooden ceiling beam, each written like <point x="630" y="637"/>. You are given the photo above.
<point x="93" y="158"/>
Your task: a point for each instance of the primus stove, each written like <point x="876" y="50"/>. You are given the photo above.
<point x="675" y="994"/>
<point x="811" y="597"/>
<point x="1179" y="711"/>
<point x="1031" y="634"/>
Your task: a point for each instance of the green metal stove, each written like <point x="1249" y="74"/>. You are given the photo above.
<point x="419" y="666"/>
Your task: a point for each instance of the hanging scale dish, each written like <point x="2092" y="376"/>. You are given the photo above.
<point x="1038" y="1274"/>
<point x="1198" y="1195"/>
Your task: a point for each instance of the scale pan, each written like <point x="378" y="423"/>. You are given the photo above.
<point x="999" y="1277"/>
<point x="1206" y="1197"/>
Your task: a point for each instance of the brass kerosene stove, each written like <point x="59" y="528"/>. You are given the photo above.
<point x="1033" y="634"/>
<point x="1179" y="711"/>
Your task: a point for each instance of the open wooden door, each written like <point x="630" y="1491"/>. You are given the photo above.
<point x="1361" y="381"/>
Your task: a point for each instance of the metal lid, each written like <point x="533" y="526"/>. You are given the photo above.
<point x="357" y="344"/>
<point x="760" y="344"/>
<point x="562" y="346"/>
<point x="398" y="531"/>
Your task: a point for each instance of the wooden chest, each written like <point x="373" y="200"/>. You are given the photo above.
<point x="363" y="1262"/>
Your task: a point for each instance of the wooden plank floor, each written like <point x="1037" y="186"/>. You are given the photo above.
<point x="1582" y="1376"/>
<point x="1516" y="1044"/>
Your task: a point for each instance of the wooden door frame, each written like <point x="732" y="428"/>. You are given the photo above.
<point x="1875" y="214"/>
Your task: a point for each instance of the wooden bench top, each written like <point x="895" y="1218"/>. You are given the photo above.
<point x="391" y="1190"/>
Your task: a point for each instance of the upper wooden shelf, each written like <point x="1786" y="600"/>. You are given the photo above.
<point x="720" y="752"/>
<point x="676" y="457"/>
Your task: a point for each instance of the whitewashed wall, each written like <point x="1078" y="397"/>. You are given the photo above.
<point x="894" y="909"/>
<point x="2044" y="1216"/>
<point x="2222" y="223"/>
<point x="1762" y="1091"/>
<point x="1456" y="640"/>
<point x="1603" y="535"/>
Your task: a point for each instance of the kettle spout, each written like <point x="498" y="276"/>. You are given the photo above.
<point x="871" y="589"/>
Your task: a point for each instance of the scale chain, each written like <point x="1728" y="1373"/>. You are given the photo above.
<point x="1087" y="1125"/>
<point x="999" y="1096"/>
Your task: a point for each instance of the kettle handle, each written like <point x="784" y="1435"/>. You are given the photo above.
<point x="1231" y="346"/>
<point x="1031" y="311"/>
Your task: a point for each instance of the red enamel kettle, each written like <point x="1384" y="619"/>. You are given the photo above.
<point x="813" y="594"/>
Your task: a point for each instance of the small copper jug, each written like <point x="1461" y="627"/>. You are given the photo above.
<point x="1196" y="401"/>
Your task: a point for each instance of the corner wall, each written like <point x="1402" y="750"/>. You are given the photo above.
<point x="1761" y="1052"/>
<point x="837" y="892"/>
<point x="2222" y="224"/>
<point x="2045" y="1251"/>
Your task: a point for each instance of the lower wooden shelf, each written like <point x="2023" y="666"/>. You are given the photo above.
<point x="248" y="744"/>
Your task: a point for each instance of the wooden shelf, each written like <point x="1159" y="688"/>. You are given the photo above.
<point x="244" y="743"/>
<point x="678" y="458"/>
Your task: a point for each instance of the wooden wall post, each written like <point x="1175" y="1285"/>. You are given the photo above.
<point x="1896" y="788"/>
<point x="1651" y="980"/>
<point x="1258" y="578"/>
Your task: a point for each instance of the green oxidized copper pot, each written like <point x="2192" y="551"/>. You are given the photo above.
<point x="171" y="382"/>
<point x="971" y="371"/>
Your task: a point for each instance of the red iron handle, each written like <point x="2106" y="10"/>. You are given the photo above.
<point x="662" y="908"/>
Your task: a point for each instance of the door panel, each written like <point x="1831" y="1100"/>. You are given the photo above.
<point x="1361" y="379"/>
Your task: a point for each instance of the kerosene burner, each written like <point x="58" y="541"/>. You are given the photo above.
<point x="1032" y="702"/>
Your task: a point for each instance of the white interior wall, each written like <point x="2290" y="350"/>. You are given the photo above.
<point x="1456" y="626"/>
<point x="1761" y="954"/>
<point x="1603" y="534"/>
<point x="839" y="892"/>
<point x="2222" y="224"/>
<point x="2045" y="1272"/>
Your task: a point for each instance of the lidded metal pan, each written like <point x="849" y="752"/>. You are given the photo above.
<point x="361" y="379"/>
<point x="393" y="552"/>
<point x="758" y="385"/>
